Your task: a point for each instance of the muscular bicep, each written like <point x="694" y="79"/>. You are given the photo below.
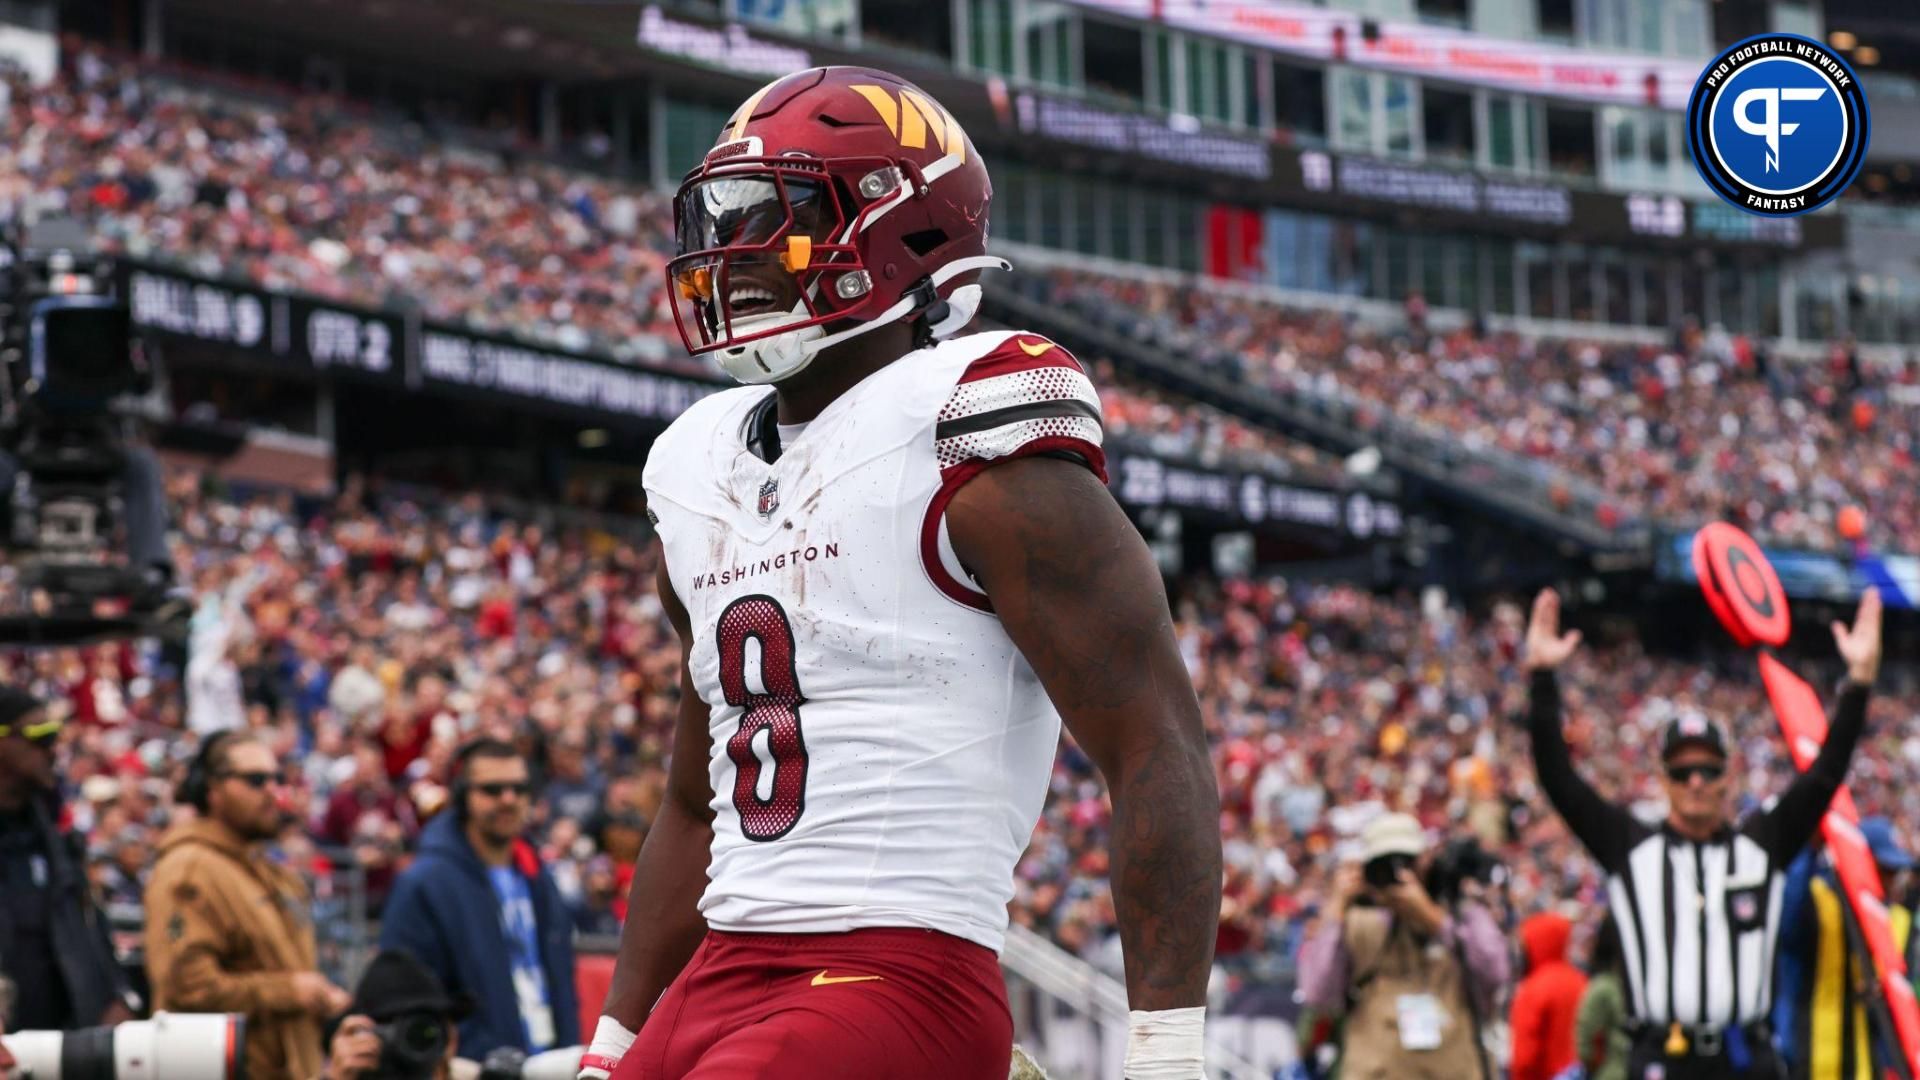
<point x="688" y="782"/>
<point x="1077" y="590"/>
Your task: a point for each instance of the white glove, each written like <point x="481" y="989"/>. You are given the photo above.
<point x="1167" y="1044"/>
<point x="610" y="1043"/>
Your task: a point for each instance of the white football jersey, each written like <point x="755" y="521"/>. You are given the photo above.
<point x="880" y="747"/>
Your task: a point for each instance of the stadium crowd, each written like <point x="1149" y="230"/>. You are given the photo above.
<point x="310" y="193"/>
<point x="367" y="637"/>
<point x="1704" y="427"/>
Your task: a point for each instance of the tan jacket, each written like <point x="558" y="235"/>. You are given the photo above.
<point x="1387" y="965"/>
<point x="225" y="928"/>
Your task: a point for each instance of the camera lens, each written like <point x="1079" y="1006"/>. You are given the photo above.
<point x="420" y="1034"/>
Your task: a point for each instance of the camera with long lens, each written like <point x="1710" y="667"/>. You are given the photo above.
<point x="171" y="1046"/>
<point x="68" y="353"/>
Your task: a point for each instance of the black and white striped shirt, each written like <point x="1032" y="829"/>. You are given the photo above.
<point x="1698" y="920"/>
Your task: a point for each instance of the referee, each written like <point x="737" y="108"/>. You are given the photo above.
<point x="1697" y="899"/>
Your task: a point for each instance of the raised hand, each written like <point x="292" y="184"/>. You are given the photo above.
<point x="1860" y="645"/>
<point x="1547" y="648"/>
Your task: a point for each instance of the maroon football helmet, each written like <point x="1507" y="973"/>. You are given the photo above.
<point x="837" y="199"/>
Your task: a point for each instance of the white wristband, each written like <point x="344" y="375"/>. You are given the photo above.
<point x="610" y="1042"/>
<point x="1167" y="1044"/>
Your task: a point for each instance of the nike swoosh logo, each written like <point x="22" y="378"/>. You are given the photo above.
<point x="1035" y="349"/>
<point x="823" y="979"/>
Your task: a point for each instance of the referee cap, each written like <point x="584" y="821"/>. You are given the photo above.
<point x="1694" y="729"/>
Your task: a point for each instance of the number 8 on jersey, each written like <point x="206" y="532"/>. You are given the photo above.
<point x="777" y="711"/>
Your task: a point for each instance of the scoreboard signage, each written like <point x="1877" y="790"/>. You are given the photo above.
<point x="461" y="360"/>
<point x="318" y="337"/>
<point x="1140" y="135"/>
<point x="1148" y="482"/>
<point x="1472" y="200"/>
<point x="1428" y="188"/>
<point x="1331" y="35"/>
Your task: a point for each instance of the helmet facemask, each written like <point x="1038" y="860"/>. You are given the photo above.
<point x="767" y="257"/>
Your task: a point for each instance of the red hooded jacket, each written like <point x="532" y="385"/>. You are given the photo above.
<point x="1546" y="1001"/>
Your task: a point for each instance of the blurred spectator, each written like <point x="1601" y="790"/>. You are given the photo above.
<point x="1546" y="1001"/>
<point x="1820" y="1015"/>
<point x="53" y="939"/>
<point x="1600" y="1028"/>
<point x="229" y="930"/>
<point x="480" y="911"/>
<point x="1413" y="980"/>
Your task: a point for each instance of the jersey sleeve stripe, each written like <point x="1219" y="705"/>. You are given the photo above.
<point x="1050" y="383"/>
<point x="1073" y="433"/>
<point x="1038" y="410"/>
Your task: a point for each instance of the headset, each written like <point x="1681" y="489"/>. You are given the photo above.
<point x="481" y="747"/>
<point x="195" y="787"/>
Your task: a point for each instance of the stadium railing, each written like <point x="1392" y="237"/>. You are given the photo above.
<point x="1073" y="1019"/>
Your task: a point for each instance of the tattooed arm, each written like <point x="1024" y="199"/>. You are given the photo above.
<point x="1079" y="593"/>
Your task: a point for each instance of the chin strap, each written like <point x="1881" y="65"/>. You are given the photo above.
<point x="907" y="303"/>
<point x="784" y="355"/>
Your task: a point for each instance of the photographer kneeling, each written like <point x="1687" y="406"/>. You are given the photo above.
<point x="1411" y="977"/>
<point x="402" y="1025"/>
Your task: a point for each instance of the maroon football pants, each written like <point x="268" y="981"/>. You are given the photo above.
<point x="876" y="1003"/>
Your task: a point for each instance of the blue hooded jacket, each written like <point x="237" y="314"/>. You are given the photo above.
<point x="443" y="911"/>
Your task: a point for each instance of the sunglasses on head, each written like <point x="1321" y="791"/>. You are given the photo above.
<point x="258" y="781"/>
<point x="1684" y="774"/>
<point x="496" y="789"/>
<point x="40" y="734"/>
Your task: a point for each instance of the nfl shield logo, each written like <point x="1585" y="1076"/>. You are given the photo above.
<point x="769" y="497"/>
<point x="1746" y="906"/>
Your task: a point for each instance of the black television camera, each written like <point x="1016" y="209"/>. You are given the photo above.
<point x="69" y="469"/>
<point x="1462" y="860"/>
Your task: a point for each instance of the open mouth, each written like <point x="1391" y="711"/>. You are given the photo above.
<point x="749" y="296"/>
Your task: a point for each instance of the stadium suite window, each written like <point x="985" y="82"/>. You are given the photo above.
<point x="903" y="24"/>
<point x="1443" y="12"/>
<point x="990" y="34"/>
<point x="1052" y="44"/>
<point x="1554" y="19"/>
<point x="685" y="136"/>
<point x="1571" y="146"/>
<point x="1300" y="102"/>
<point x="1374" y="112"/>
<point x="1446" y="116"/>
<point x="1164" y="68"/>
<point x="1113" y="60"/>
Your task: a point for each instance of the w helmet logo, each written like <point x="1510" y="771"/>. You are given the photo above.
<point x="1778" y="125"/>
<point x="913" y="118"/>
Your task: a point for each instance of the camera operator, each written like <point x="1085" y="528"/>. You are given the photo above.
<point x="229" y="930"/>
<point x="1700" y="877"/>
<point x="53" y="938"/>
<point x="402" y="1024"/>
<point x="1412" y="974"/>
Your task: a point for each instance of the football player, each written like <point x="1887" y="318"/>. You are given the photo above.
<point x="890" y="557"/>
